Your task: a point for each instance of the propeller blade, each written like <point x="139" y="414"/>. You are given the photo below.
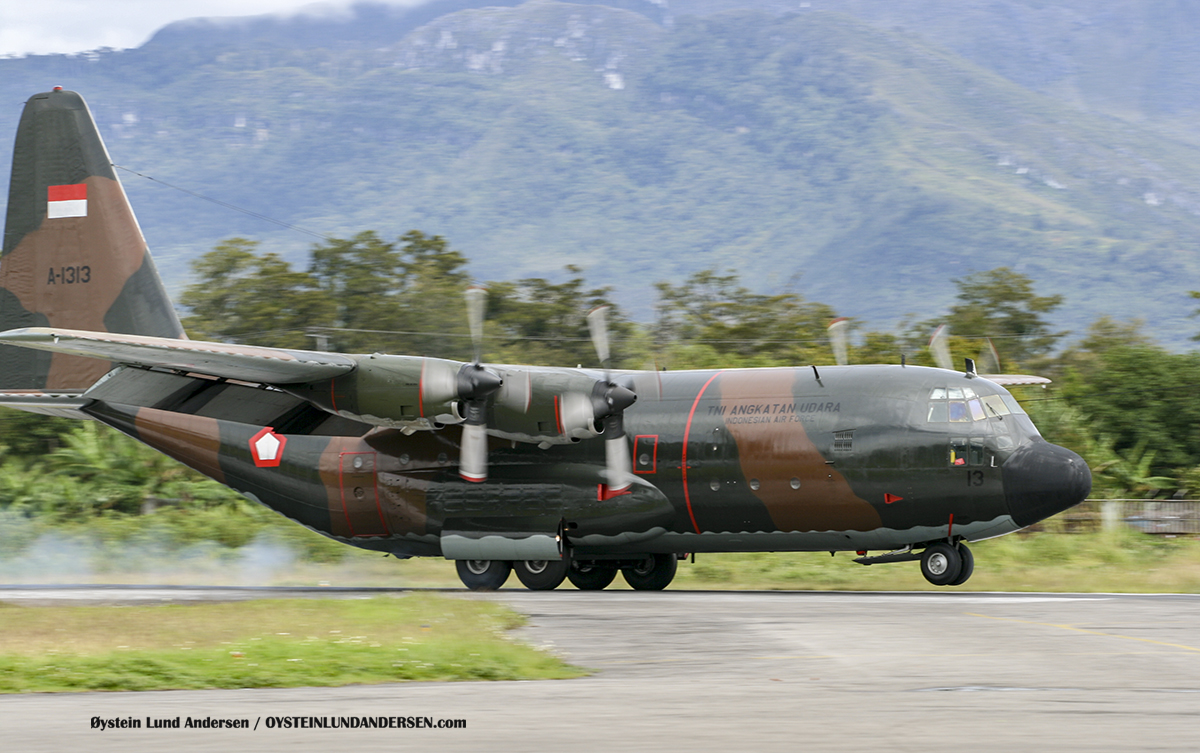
<point x="838" y="338"/>
<point x="609" y="401"/>
<point x="989" y="358"/>
<point x="939" y="346"/>
<point x="475" y="386"/>
<point x="618" y="463"/>
<point x="476" y="300"/>
<point x="473" y="460"/>
<point x="597" y="320"/>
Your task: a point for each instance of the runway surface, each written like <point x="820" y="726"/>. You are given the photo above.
<point x="717" y="671"/>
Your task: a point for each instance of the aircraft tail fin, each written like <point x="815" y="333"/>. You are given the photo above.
<point x="73" y="256"/>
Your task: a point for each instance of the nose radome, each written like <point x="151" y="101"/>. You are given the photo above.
<point x="1041" y="479"/>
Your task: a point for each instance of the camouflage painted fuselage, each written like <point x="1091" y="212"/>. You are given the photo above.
<point x="735" y="460"/>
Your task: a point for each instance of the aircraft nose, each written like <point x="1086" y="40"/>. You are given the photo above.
<point x="1041" y="479"/>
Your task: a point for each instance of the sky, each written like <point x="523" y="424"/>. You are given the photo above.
<point x="50" y="26"/>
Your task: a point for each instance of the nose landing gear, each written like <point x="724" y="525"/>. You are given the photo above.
<point x="944" y="564"/>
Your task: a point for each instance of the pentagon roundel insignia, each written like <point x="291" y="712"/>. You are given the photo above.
<point x="267" y="448"/>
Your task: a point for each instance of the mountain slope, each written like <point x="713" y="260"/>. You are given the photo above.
<point x="861" y="166"/>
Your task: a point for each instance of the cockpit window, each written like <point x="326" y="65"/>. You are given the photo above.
<point x="963" y="404"/>
<point x="994" y="405"/>
<point x="1012" y="403"/>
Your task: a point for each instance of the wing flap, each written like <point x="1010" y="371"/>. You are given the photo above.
<point x="64" y="404"/>
<point x="246" y="362"/>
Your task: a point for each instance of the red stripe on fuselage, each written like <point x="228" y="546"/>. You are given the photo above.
<point x="421" y="390"/>
<point x="687" y="497"/>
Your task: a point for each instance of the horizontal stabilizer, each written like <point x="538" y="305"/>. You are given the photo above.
<point x="244" y="362"/>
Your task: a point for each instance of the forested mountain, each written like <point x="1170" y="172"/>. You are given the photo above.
<point x="865" y="159"/>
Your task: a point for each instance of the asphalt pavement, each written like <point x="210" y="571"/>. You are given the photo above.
<point x="717" y="671"/>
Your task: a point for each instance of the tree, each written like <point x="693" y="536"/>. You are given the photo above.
<point x="541" y="322"/>
<point x="404" y="297"/>
<point x="241" y="296"/>
<point x="1195" y="294"/>
<point x="1142" y="396"/>
<point x="711" y="320"/>
<point x="1000" y="304"/>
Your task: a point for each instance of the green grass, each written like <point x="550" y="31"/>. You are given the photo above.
<point x="265" y="644"/>
<point x="1121" y="561"/>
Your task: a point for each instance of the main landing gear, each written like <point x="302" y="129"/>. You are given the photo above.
<point x="652" y="572"/>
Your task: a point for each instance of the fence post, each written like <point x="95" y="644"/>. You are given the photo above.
<point x="1110" y="514"/>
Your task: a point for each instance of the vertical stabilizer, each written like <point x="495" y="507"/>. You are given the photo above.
<point x="74" y="256"/>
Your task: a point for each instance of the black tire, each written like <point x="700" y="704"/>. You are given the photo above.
<point x="591" y="576"/>
<point x="968" y="565"/>
<point x="542" y="575"/>
<point x="654" y="574"/>
<point x="941" y="564"/>
<point x="483" y="575"/>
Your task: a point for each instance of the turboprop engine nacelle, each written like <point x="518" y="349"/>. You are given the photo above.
<point x="400" y="392"/>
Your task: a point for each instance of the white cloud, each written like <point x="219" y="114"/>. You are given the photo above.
<point x="50" y="26"/>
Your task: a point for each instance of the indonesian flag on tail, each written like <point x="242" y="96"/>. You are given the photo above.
<point x="67" y="201"/>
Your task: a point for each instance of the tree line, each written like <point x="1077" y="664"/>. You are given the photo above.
<point x="1119" y="399"/>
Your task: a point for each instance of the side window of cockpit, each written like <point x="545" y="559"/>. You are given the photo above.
<point x="958" y="451"/>
<point x="965" y="451"/>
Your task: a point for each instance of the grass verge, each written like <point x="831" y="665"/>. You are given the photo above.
<point x="1122" y="561"/>
<point x="265" y="644"/>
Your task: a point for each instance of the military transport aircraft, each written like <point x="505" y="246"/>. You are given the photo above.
<point x="553" y="472"/>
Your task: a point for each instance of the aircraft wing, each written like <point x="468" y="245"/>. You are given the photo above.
<point x="1008" y="380"/>
<point x="246" y="362"/>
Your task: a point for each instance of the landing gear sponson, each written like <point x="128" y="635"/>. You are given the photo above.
<point x="653" y="572"/>
<point x="942" y="564"/>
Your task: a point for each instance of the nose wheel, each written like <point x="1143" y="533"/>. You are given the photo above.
<point x="944" y="564"/>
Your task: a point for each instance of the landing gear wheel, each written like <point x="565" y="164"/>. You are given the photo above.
<point x="591" y="576"/>
<point x="483" y="575"/>
<point x="968" y="565"/>
<point x="653" y="574"/>
<point x="941" y="564"/>
<point x="542" y="575"/>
